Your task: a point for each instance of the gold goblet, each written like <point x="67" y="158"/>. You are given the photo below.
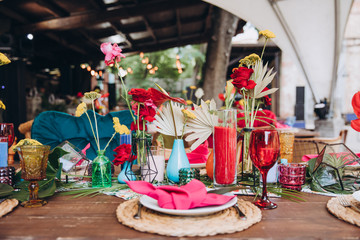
<point x="33" y="161"/>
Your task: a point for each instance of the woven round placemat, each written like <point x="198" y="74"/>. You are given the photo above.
<point x="7" y="206"/>
<point x="345" y="213"/>
<point x="225" y="221"/>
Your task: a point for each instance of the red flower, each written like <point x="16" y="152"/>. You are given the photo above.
<point x="112" y="52"/>
<point x="241" y="78"/>
<point x="79" y="95"/>
<point x="134" y="127"/>
<point x="263" y="118"/>
<point x="139" y="94"/>
<point x="221" y="97"/>
<point x="355" y="102"/>
<point x="159" y="97"/>
<point x="147" y="110"/>
<point x="123" y="154"/>
<point x="266" y="99"/>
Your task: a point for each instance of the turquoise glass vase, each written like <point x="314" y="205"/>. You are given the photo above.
<point x="126" y="173"/>
<point x="177" y="160"/>
<point x="101" y="171"/>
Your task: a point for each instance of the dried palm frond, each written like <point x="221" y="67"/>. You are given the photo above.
<point x="262" y="78"/>
<point x="202" y="126"/>
<point x="164" y="121"/>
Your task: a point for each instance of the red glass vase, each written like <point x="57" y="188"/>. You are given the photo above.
<point x="224" y="147"/>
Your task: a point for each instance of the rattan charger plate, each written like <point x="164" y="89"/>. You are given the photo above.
<point x="344" y="213"/>
<point x="225" y="221"/>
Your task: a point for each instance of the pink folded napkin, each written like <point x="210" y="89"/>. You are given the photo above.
<point x="191" y="195"/>
<point x="199" y="155"/>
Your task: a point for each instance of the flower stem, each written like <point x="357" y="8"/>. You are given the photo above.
<point x="173" y="117"/>
<point x="92" y="129"/>
<point x="183" y="130"/>
<point x="126" y="90"/>
<point x="110" y="141"/>
<point x="96" y="127"/>
<point x="262" y="53"/>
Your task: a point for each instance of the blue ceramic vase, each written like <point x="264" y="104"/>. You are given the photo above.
<point x="126" y="173"/>
<point x="177" y="160"/>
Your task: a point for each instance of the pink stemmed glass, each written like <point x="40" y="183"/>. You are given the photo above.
<point x="7" y="130"/>
<point x="264" y="151"/>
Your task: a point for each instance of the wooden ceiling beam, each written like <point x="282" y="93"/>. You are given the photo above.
<point x="52" y="8"/>
<point x="117" y="26"/>
<point x="149" y="29"/>
<point x="89" y="18"/>
<point x="178" y="22"/>
<point x="169" y="43"/>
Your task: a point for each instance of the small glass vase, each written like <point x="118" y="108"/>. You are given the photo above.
<point x="225" y="141"/>
<point x="147" y="169"/>
<point x="101" y="171"/>
<point x="177" y="160"/>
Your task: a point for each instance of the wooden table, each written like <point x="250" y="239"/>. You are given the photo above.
<point x="94" y="218"/>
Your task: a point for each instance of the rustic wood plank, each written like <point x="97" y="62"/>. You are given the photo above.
<point x="94" y="218"/>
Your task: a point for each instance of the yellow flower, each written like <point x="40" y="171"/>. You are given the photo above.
<point x="121" y="129"/>
<point x="188" y="114"/>
<point x="189" y="102"/>
<point x="92" y="95"/>
<point x="4" y="60"/>
<point x="242" y="102"/>
<point x="2" y="105"/>
<point x="184" y="91"/>
<point x="267" y="34"/>
<point x="192" y="87"/>
<point x="207" y="102"/>
<point x="116" y="120"/>
<point x="249" y="60"/>
<point x="26" y="141"/>
<point x="81" y="108"/>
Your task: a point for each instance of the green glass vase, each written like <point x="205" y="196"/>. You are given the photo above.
<point x="101" y="171"/>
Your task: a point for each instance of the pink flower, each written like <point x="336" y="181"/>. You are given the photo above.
<point x="112" y="53"/>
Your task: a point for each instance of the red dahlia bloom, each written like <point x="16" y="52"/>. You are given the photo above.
<point x="241" y="78"/>
<point x="123" y="154"/>
<point x="139" y="94"/>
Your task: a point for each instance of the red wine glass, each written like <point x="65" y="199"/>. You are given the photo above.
<point x="264" y="151"/>
<point x="7" y="130"/>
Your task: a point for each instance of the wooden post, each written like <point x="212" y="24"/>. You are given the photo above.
<point x="218" y="52"/>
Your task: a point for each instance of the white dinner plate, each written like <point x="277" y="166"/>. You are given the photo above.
<point x="356" y="195"/>
<point x="152" y="204"/>
<point x="198" y="165"/>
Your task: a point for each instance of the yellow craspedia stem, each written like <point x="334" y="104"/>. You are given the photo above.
<point x="188" y="114"/>
<point x="3" y="59"/>
<point x="92" y="95"/>
<point x="2" y="105"/>
<point x="81" y="108"/>
<point x="267" y="34"/>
